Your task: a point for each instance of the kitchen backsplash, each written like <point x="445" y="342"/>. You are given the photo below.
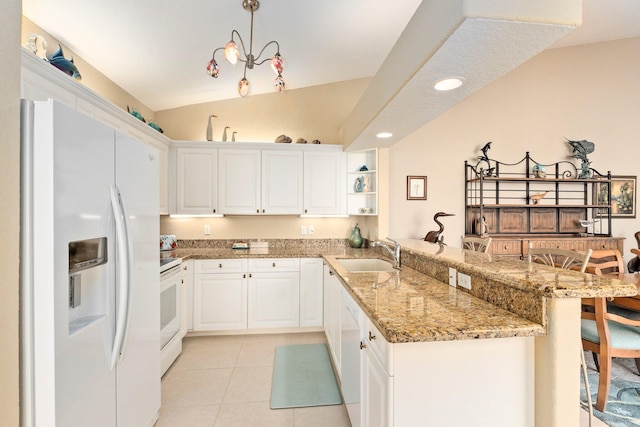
<point x="273" y="243"/>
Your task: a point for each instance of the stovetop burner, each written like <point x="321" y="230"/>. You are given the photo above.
<point x="167" y="263"/>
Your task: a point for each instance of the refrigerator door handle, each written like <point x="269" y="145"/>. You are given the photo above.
<point x="129" y="241"/>
<point x="122" y="275"/>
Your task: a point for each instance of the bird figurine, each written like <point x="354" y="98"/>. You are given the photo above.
<point x="537" y="197"/>
<point x="63" y="64"/>
<point x="233" y="136"/>
<point x="224" y="134"/>
<point x="434" y="236"/>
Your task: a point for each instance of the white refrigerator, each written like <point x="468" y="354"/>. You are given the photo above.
<point x="89" y="273"/>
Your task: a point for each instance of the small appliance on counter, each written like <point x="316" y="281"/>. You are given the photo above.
<point x="240" y="245"/>
<point x="168" y="242"/>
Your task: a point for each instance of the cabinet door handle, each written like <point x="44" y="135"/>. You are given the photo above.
<point x="262" y="210"/>
<point x="371" y="336"/>
<point x="250" y="275"/>
<point x="214" y="211"/>
<point x="219" y="265"/>
<point x="273" y="265"/>
<point x="330" y="273"/>
<point x="257" y="210"/>
<point x="244" y="276"/>
<point x="362" y="345"/>
<point x="305" y="211"/>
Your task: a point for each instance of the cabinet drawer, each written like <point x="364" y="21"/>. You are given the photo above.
<point x="221" y="266"/>
<point x="263" y="265"/>
<point x="378" y="345"/>
<point x="506" y="247"/>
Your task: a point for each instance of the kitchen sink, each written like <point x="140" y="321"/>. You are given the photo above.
<point x="355" y="265"/>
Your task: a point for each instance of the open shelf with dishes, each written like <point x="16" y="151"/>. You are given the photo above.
<point x="362" y="182"/>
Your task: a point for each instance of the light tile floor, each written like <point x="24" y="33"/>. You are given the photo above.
<point x="225" y="381"/>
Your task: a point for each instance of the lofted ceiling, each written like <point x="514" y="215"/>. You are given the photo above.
<point x="157" y="50"/>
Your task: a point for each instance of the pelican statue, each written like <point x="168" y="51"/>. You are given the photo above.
<point x="433" y="236"/>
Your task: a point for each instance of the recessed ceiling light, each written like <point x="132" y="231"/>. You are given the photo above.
<point x="384" y="135"/>
<point x="449" y="83"/>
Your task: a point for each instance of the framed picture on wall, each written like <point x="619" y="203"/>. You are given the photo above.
<point x="623" y="196"/>
<point x="416" y="188"/>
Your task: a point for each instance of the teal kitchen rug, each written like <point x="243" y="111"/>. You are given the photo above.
<point x="623" y="405"/>
<point x="303" y="376"/>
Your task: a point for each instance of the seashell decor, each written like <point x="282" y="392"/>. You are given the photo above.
<point x="284" y="139"/>
<point x="301" y="141"/>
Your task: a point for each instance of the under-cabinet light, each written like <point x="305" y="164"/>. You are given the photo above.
<point x="384" y="135"/>
<point x="196" y="216"/>
<point x="323" y="216"/>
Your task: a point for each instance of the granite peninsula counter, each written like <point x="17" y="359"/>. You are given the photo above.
<point x="507" y="298"/>
<point x="514" y="338"/>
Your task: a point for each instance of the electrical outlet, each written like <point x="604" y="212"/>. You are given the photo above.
<point x="464" y="280"/>
<point x="452" y="277"/>
<point x="207" y="230"/>
<point x="311" y="229"/>
<point x="303" y="229"/>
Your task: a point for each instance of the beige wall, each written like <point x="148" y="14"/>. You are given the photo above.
<point x="91" y="78"/>
<point x="586" y="92"/>
<point x="311" y="113"/>
<point x="251" y="227"/>
<point x="10" y="212"/>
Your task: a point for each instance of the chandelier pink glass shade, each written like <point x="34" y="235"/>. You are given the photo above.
<point x="233" y="54"/>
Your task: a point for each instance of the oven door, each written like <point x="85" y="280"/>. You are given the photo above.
<point x="170" y="304"/>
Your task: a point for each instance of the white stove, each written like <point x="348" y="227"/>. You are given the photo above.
<point x="168" y="263"/>
<point x="170" y="311"/>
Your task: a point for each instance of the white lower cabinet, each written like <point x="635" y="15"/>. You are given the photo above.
<point x="377" y="383"/>
<point x="220" y="295"/>
<point x="332" y="316"/>
<point x="187" y="296"/>
<point x="311" y="292"/>
<point x="376" y="392"/>
<point x="274" y="293"/>
<point x="256" y="293"/>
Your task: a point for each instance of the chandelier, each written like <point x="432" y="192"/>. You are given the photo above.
<point x="232" y="53"/>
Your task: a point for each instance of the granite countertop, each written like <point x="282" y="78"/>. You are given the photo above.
<point x="415" y="304"/>
<point x="409" y="306"/>
<point x="535" y="278"/>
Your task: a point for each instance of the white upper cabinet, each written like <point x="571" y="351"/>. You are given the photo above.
<point x="260" y="182"/>
<point x="281" y="182"/>
<point x="324" y="177"/>
<point x="240" y="177"/>
<point x="196" y="180"/>
<point x="257" y="179"/>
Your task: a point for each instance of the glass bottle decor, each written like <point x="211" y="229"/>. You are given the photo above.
<point x="355" y="241"/>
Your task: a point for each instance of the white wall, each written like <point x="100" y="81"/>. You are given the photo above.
<point x="586" y="92"/>
<point x="10" y="212"/>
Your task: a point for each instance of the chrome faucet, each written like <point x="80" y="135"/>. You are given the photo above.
<point x="395" y="252"/>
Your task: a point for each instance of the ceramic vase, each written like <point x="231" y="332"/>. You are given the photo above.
<point x="355" y="241"/>
<point x="210" y="128"/>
